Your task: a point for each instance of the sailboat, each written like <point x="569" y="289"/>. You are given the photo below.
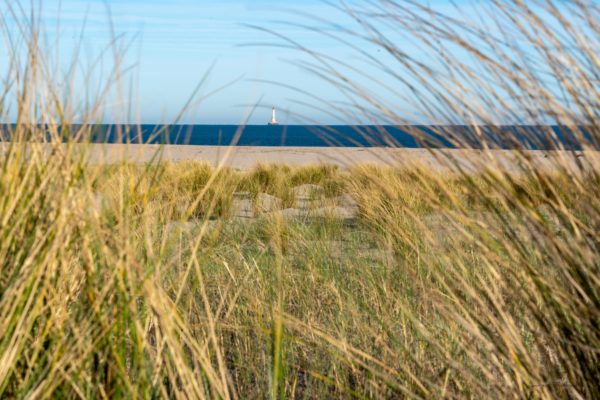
<point x="273" y="119"/>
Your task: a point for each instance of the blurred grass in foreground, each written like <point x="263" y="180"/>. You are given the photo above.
<point x="115" y="284"/>
<point x="137" y="280"/>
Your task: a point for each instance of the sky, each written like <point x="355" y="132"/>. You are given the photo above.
<point x="174" y="45"/>
<point x="230" y="49"/>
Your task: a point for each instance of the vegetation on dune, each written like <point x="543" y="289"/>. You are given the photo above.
<point x="140" y="281"/>
<point x="121" y="287"/>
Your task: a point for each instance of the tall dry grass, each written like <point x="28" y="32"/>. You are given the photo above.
<point x="518" y="283"/>
<point x="135" y="280"/>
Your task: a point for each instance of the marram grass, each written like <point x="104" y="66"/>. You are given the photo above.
<point x="113" y="285"/>
<point x="139" y="281"/>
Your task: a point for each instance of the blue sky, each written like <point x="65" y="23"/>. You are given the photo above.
<point x="174" y="43"/>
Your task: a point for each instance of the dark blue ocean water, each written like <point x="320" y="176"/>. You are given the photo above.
<point x="533" y="137"/>
<point x="261" y="135"/>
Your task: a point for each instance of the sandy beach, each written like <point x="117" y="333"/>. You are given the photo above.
<point x="245" y="157"/>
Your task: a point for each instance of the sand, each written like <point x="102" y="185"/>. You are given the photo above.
<point x="245" y="157"/>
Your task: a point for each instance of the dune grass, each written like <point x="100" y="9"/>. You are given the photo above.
<point x="138" y="281"/>
<point x="122" y="289"/>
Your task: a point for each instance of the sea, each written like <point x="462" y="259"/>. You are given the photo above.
<point x="406" y="136"/>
